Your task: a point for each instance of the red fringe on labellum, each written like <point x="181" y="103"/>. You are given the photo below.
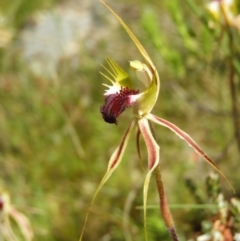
<point x="1" y="204"/>
<point x="115" y="104"/>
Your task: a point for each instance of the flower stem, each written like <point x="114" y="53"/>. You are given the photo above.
<point x="164" y="205"/>
<point x="167" y="217"/>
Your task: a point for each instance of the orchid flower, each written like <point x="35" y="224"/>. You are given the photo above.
<point x="9" y="213"/>
<point x="225" y="12"/>
<point x="121" y="94"/>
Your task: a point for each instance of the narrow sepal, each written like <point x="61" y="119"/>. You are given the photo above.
<point x="118" y="153"/>
<point x="183" y="135"/>
<point x="23" y="223"/>
<point x="10" y="218"/>
<point x="112" y="165"/>
<point x="153" y="161"/>
<point x="132" y="36"/>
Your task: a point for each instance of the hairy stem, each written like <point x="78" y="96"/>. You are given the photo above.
<point x="167" y="217"/>
<point x="164" y="205"/>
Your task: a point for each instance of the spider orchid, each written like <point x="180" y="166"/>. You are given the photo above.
<point x="121" y="95"/>
<point x="9" y="213"/>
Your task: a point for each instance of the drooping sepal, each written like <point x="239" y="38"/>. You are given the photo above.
<point x="112" y="165"/>
<point x="183" y="135"/>
<point x="153" y="161"/>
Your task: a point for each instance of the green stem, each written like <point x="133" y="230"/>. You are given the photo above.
<point x="164" y="205"/>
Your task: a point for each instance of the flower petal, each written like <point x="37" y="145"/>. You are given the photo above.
<point x="146" y="101"/>
<point x="23" y="223"/>
<point x="132" y="36"/>
<point x="183" y="135"/>
<point x="117" y="73"/>
<point x="112" y="165"/>
<point x="153" y="161"/>
<point x="118" y="153"/>
<point x="143" y="72"/>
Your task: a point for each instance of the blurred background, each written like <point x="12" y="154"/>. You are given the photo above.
<point x="54" y="144"/>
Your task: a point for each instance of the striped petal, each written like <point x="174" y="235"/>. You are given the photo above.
<point x="183" y="135"/>
<point x="112" y="165"/>
<point x="153" y="161"/>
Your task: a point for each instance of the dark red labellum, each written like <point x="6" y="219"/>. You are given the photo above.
<point x="1" y="203"/>
<point x="115" y="104"/>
